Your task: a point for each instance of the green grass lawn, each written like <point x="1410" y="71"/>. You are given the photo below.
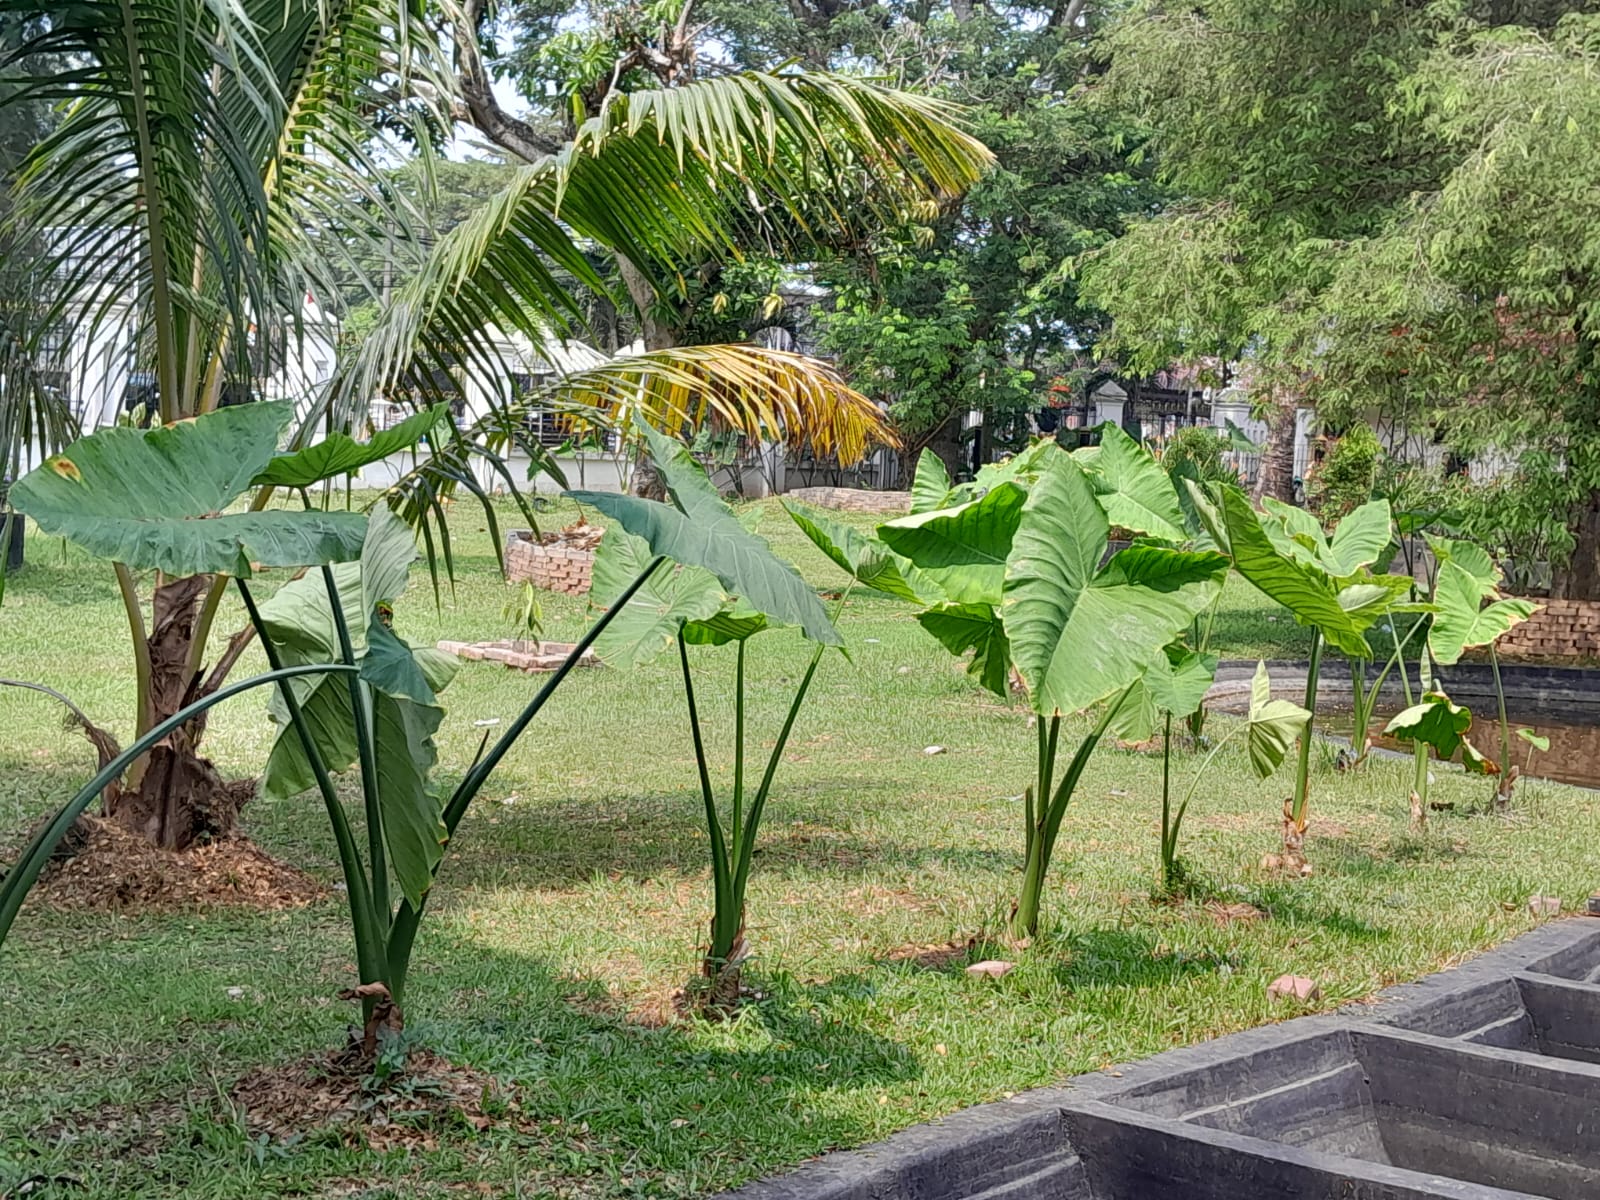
<point x="577" y="892"/>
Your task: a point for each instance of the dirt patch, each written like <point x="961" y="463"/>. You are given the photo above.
<point x="1237" y="913"/>
<point x="338" y="1092"/>
<point x="935" y="956"/>
<point x="100" y="865"/>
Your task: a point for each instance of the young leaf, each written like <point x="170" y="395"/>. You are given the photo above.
<point x="1272" y="725"/>
<point x="1132" y="488"/>
<point x="1471" y="558"/>
<point x="1436" y="721"/>
<point x="1361" y="537"/>
<point x="1459" y="623"/>
<point x="864" y="558"/>
<point x="1538" y="741"/>
<point x="649" y="623"/>
<point x="930" y="486"/>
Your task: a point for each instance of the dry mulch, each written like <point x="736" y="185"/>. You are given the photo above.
<point x="104" y="866"/>
<point x="580" y="535"/>
<point x="337" y="1091"/>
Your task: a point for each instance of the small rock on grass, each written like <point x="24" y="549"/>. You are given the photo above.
<point x="932" y="750"/>
<point x="1296" y="987"/>
<point x="994" y="968"/>
<point x="1544" y="906"/>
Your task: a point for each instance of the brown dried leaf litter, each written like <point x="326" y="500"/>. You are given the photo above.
<point x="103" y="866"/>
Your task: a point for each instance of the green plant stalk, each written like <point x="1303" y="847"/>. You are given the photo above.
<point x="371" y="962"/>
<point x="724" y="915"/>
<point x="403" y="930"/>
<point x="1196" y="721"/>
<point x="1419" y="782"/>
<point x="1169" y="859"/>
<point x="144" y="702"/>
<point x="1505" y="724"/>
<point x="1302" y="770"/>
<point x="1025" y="915"/>
<point x="361" y="714"/>
<point x="738" y="750"/>
<point x="25" y="871"/>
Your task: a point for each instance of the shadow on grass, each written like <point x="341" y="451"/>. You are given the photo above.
<point x="1122" y="958"/>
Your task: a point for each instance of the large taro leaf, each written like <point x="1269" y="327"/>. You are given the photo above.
<point x="154" y="500"/>
<point x="1361" y="537"/>
<point x="1436" y="721"/>
<point x="1471" y="558"/>
<point x="650" y="621"/>
<point x="339" y="453"/>
<point x="1133" y="489"/>
<point x="975" y="627"/>
<point x="930" y="486"/>
<point x="1022" y="467"/>
<point x="1079" y="633"/>
<point x="864" y="558"/>
<point x="1272" y="726"/>
<point x="1174" y="683"/>
<point x="1310" y="593"/>
<point x="298" y="616"/>
<point x="741" y="561"/>
<point x="963" y="550"/>
<point x="1459" y="623"/>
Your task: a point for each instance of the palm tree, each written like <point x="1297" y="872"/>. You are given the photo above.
<point x="219" y="162"/>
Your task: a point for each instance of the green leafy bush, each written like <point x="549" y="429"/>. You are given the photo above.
<point x="1345" y="480"/>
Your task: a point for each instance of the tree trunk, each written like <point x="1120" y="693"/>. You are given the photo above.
<point x="1276" y="476"/>
<point x="179" y="799"/>
<point x="1580" y="578"/>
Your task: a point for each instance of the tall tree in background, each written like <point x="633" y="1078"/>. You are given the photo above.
<point x="1271" y="121"/>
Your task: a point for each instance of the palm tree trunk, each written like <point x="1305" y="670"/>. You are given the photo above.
<point x="178" y="798"/>
<point x="1276" y="477"/>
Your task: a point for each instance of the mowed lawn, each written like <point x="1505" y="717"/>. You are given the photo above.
<point x="576" y="895"/>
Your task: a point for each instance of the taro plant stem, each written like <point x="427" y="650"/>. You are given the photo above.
<point x="1046" y="812"/>
<point x="1502" y="790"/>
<point x="732" y="849"/>
<point x="1302" y="771"/>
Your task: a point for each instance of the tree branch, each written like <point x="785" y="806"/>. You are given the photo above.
<point x="481" y="110"/>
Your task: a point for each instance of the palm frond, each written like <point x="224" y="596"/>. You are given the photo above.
<point x="766" y="395"/>
<point x="661" y="178"/>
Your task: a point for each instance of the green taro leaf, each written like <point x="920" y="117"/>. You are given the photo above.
<point x="1436" y="721"/>
<point x="963" y="550"/>
<point x="1537" y="741"/>
<point x="1361" y="537"/>
<point x="1308" y="592"/>
<point x="414" y="832"/>
<point x="1471" y="558"/>
<point x="975" y="627"/>
<point x="154" y="500"/>
<point x="1272" y="726"/>
<point x="649" y="623"/>
<point x="339" y="453"/>
<point x="1079" y="633"/>
<point x="863" y="557"/>
<point x="930" y="486"/>
<point x="741" y="561"/>
<point x="1133" y="489"/>
<point x="1459" y="623"/>
<point x="1021" y="468"/>
<point x="1173" y="682"/>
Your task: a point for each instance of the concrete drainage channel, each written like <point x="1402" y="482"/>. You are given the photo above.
<point x="1479" y="1083"/>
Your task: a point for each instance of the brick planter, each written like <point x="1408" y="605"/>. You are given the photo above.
<point x="1561" y="629"/>
<point x="556" y="566"/>
<point x="520" y="655"/>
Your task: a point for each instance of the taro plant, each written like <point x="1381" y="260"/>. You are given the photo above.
<point x="1269" y="727"/>
<point x="1173" y="686"/>
<point x="350" y="692"/>
<point x="1467" y="576"/>
<point x="720" y="586"/>
<point x="1024" y="585"/>
<point x="1325" y="582"/>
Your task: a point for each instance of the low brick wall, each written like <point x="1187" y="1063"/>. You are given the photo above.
<point x="854" y="500"/>
<point x="556" y="568"/>
<point x="1561" y="629"/>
